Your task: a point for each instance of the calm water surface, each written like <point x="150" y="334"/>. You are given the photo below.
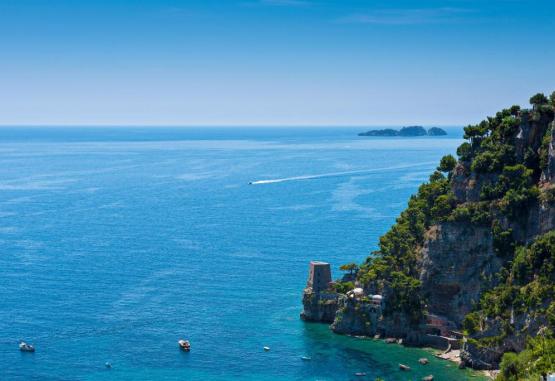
<point x="115" y="243"/>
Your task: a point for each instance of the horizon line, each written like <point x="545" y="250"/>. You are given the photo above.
<point x="232" y="125"/>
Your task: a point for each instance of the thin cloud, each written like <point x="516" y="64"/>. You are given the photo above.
<point x="406" y="16"/>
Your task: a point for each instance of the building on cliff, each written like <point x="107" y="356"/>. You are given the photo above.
<point x="319" y="300"/>
<point x="319" y="276"/>
<point x="377" y="300"/>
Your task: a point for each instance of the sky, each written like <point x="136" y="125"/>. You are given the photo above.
<point x="271" y="62"/>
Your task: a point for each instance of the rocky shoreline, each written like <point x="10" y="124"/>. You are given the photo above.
<point x="324" y="310"/>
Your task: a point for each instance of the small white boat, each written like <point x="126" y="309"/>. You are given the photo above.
<point x="108" y="365"/>
<point x="24" y="347"/>
<point x="266" y="349"/>
<point x="306" y="358"/>
<point x="360" y="374"/>
<point x="184" y="345"/>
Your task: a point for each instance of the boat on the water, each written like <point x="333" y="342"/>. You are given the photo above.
<point x="404" y="367"/>
<point x="24" y="347"/>
<point x="306" y="358"/>
<point x="266" y="349"/>
<point x="360" y="374"/>
<point x="184" y="345"/>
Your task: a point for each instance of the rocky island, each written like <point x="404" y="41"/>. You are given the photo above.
<point x="406" y="132"/>
<point x="470" y="263"/>
<point x="436" y="131"/>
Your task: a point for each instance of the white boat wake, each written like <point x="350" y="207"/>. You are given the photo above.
<point x="339" y="174"/>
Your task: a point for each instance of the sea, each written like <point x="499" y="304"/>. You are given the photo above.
<point x="116" y="242"/>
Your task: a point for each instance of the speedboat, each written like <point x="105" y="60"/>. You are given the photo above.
<point x="266" y="349"/>
<point x="24" y="347"/>
<point x="306" y="358"/>
<point x="184" y="345"/>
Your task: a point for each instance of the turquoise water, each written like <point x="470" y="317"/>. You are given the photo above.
<point x="115" y="243"/>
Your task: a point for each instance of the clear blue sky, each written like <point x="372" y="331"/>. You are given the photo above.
<point x="271" y="62"/>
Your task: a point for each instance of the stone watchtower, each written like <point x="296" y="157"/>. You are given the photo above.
<point x="319" y="276"/>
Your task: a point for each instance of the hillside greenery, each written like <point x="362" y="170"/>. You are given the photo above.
<point x="511" y="184"/>
<point x="537" y="360"/>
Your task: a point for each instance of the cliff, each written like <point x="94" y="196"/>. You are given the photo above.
<point x="319" y="307"/>
<point x="473" y="254"/>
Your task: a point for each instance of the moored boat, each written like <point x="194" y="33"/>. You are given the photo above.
<point x="24" y="347"/>
<point x="184" y="345"/>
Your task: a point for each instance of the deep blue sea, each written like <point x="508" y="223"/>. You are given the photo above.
<point x="117" y="242"/>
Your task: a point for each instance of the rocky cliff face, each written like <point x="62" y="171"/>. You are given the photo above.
<point x="466" y="251"/>
<point x="457" y="265"/>
<point x="319" y="307"/>
<point x="466" y="185"/>
<point x="550" y="171"/>
<point x="356" y="317"/>
<point x="487" y="357"/>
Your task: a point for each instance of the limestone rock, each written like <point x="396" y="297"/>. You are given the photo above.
<point x="319" y="307"/>
<point x="458" y="263"/>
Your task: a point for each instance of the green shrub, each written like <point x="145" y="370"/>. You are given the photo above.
<point x="472" y="323"/>
<point x="503" y="243"/>
<point x="447" y="163"/>
<point x="464" y="152"/>
<point x="443" y="206"/>
<point x="537" y="360"/>
<point x="538" y="99"/>
<point x="343" y="287"/>
<point x="544" y="149"/>
<point x="477" y="213"/>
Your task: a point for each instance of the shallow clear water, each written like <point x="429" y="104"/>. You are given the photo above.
<point x="115" y="243"/>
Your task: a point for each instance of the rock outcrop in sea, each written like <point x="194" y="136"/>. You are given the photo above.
<point x="320" y="303"/>
<point x="471" y="262"/>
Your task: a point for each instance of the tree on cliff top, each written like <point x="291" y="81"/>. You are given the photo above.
<point x="447" y="163"/>
<point x="538" y="99"/>
<point x="350" y="267"/>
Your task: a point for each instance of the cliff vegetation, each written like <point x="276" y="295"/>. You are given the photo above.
<point x="476" y="246"/>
